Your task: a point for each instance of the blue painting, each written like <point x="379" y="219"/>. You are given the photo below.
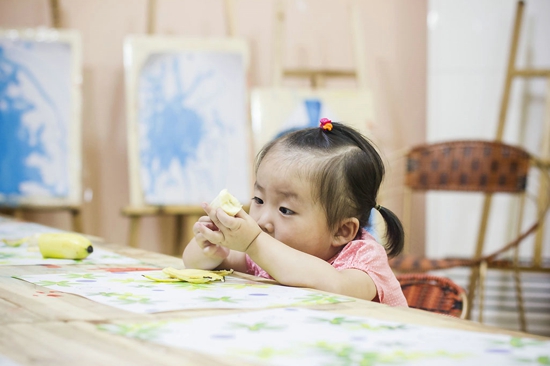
<point x="193" y="136"/>
<point x="35" y="112"/>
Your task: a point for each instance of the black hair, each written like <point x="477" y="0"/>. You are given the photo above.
<point x="348" y="172"/>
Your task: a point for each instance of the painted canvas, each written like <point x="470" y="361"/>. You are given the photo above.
<point x="40" y="79"/>
<point x="278" y="110"/>
<point x="188" y="129"/>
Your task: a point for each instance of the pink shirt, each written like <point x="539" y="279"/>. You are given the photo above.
<point x="364" y="254"/>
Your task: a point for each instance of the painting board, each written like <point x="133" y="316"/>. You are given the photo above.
<point x="40" y="117"/>
<point x="188" y="129"/>
<point x="275" y="110"/>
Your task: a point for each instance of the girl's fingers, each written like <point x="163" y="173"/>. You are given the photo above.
<point x="213" y="236"/>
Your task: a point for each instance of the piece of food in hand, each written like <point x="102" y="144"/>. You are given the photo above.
<point x="191" y="275"/>
<point x="64" y="245"/>
<point x="227" y="202"/>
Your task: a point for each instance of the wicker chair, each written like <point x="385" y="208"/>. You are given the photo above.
<point x="470" y="166"/>
<point x="434" y="293"/>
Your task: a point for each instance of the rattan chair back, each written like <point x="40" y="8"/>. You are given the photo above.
<point x="434" y="293"/>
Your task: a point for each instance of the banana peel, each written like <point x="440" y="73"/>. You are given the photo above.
<point x="15" y="242"/>
<point x="191" y="275"/>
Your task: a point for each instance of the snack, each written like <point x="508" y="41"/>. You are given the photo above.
<point x="191" y="275"/>
<point x="227" y="202"/>
<point x="64" y="245"/>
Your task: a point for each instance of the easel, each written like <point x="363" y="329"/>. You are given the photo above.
<point x="185" y="216"/>
<point x="318" y="76"/>
<point x="18" y="211"/>
<point x="511" y="73"/>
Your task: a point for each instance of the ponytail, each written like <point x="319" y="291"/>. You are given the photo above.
<point x="395" y="236"/>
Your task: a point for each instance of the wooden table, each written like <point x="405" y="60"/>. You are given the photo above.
<point x="60" y="329"/>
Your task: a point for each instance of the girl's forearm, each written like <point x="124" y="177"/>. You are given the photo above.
<point x="292" y="267"/>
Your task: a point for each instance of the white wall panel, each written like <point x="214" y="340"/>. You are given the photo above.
<point x="468" y="46"/>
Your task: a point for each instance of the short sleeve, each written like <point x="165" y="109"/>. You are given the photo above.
<point x="370" y="257"/>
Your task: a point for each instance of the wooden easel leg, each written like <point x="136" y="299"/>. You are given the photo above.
<point x="76" y="218"/>
<point x="134" y="231"/>
<point x="187" y="234"/>
<point x="18" y="214"/>
<point x="178" y="235"/>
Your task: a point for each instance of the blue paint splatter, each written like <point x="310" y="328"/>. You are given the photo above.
<point x="17" y="143"/>
<point x="174" y="131"/>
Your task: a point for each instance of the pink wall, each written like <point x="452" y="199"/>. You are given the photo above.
<point x="318" y="35"/>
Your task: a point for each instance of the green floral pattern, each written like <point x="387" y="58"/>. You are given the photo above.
<point x="299" y="336"/>
<point x="132" y="292"/>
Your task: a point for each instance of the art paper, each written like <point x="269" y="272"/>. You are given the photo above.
<point x="293" y="336"/>
<point x="132" y="292"/>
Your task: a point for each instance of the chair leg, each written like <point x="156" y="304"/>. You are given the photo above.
<point x="519" y="294"/>
<point x="472" y="291"/>
<point x="482" y="276"/>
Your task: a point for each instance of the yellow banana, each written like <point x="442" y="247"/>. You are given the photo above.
<point x="64" y="245"/>
<point x="227" y="202"/>
<point x="191" y="275"/>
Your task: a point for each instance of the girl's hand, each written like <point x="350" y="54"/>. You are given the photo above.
<point x="209" y="249"/>
<point x="235" y="233"/>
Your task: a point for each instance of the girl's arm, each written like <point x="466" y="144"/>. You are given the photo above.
<point x="292" y="267"/>
<point x="286" y="265"/>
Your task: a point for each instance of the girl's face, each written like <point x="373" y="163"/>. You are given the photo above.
<point x="284" y="207"/>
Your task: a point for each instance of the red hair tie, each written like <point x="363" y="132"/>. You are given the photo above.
<point x="325" y="124"/>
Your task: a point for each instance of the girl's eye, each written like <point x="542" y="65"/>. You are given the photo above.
<point x="285" y="211"/>
<point x="257" y="200"/>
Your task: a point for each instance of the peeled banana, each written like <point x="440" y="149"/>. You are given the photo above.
<point x="64" y="245"/>
<point x="227" y="202"/>
<point x="191" y="275"/>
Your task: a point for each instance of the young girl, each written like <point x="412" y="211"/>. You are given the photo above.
<point x="314" y="192"/>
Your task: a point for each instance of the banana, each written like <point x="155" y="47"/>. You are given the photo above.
<point x="191" y="275"/>
<point x="64" y="245"/>
<point x="227" y="202"/>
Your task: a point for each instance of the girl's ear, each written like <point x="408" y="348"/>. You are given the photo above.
<point x="346" y="231"/>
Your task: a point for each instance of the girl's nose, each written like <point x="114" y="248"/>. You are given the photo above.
<point x="267" y="228"/>
<point x="265" y="223"/>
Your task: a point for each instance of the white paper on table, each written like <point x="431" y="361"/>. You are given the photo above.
<point x="131" y="291"/>
<point x="292" y="336"/>
<point x="26" y="254"/>
<point x="18" y="230"/>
